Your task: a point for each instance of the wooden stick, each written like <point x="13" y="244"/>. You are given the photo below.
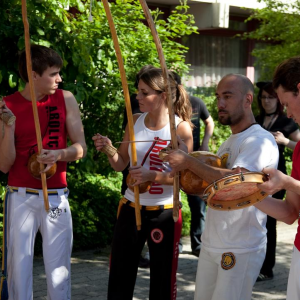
<point x="170" y="103"/>
<point x="33" y="100"/>
<point x="128" y="107"/>
<point x="129" y="142"/>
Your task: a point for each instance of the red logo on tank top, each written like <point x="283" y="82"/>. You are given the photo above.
<point x="157" y="235"/>
<point x="156" y="165"/>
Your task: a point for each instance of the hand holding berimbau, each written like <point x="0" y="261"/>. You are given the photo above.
<point x="6" y="114"/>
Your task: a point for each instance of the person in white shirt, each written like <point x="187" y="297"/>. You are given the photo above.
<point x="158" y="227"/>
<point x="237" y="236"/>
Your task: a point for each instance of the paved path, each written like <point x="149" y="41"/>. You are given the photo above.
<point x="90" y="273"/>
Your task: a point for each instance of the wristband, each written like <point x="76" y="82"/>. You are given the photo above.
<point x="109" y="150"/>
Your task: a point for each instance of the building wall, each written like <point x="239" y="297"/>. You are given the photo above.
<point x="216" y="51"/>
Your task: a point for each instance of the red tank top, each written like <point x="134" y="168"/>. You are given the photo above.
<point x="52" y="117"/>
<point x="296" y="175"/>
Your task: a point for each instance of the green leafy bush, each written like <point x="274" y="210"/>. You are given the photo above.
<point x="91" y="73"/>
<point x="186" y="215"/>
<point x="94" y="201"/>
<point x="275" y="33"/>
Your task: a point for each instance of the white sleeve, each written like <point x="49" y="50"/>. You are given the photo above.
<point x="256" y="153"/>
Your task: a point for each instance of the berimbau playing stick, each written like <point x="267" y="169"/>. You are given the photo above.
<point x="128" y="107"/>
<point x="169" y="100"/>
<point x="33" y="100"/>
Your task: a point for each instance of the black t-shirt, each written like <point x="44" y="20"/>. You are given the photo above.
<point x="286" y="126"/>
<point x="199" y="112"/>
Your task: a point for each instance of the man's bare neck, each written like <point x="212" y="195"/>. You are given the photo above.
<point x="27" y="94"/>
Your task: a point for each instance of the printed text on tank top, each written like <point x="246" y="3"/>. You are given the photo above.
<point x="156" y="164"/>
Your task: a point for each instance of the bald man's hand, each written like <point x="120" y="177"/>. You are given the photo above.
<point x="178" y="160"/>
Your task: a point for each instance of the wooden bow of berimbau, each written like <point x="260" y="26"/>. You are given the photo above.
<point x="33" y="99"/>
<point x="151" y="24"/>
<point x="128" y="106"/>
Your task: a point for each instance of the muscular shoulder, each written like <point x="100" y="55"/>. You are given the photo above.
<point x="70" y="100"/>
<point x="68" y="96"/>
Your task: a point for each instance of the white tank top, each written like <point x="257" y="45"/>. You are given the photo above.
<point x="158" y="194"/>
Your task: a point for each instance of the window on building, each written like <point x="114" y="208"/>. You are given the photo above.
<point x="213" y="56"/>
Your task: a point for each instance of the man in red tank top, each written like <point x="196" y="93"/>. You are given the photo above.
<point x="25" y="213"/>
<point x="286" y="82"/>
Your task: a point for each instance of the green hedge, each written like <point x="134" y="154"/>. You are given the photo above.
<point x="90" y="71"/>
<point x="94" y="200"/>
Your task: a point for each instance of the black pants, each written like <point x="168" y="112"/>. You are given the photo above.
<point x="162" y="234"/>
<point x="198" y="214"/>
<point x="269" y="262"/>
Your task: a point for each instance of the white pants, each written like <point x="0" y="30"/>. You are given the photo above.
<point x="27" y="215"/>
<point x="293" y="288"/>
<point x="215" y="283"/>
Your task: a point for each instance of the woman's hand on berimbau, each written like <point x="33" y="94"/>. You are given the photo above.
<point x="140" y="174"/>
<point x="100" y="141"/>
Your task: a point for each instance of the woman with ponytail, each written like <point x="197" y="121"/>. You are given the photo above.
<point x="158" y="227"/>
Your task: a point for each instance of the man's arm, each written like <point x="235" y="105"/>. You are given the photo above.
<point x="286" y="211"/>
<point x="180" y="160"/>
<point x="120" y="160"/>
<point x="7" y="142"/>
<point x="279" y="181"/>
<point x="209" y="129"/>
<point x="75" y="132"/>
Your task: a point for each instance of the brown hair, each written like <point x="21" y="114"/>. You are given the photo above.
<point x="267" y="87"/>
<point x="287" y="74"/>
<point x="141" y="71"/>
<point x="153" y="77"/>
<point x="42" y="58"/>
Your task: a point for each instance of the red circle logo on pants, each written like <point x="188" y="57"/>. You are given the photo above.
<point x="157" y="235"/>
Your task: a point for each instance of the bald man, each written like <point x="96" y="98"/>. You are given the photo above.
<point x="233" y="242"/>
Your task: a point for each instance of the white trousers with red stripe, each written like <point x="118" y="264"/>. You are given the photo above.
<point x="25" y="216"/>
